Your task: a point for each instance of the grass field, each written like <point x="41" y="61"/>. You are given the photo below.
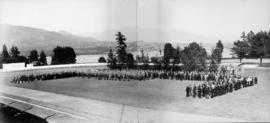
<point x="251" y="104"/>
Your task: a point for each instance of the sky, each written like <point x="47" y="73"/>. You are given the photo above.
<point x="148" y="20"/>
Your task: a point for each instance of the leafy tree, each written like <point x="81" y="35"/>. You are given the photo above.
<point x="240" y="49"/>
<point x="168" y="53"/>
<point x="121" y="48"/>
<point x="194" y="57"/>
<point x="244" y="37"/>
<point x="63" y="55"/>
<point x="130" y="60"/>
<point x="102" y="60"/>
<point x="33" y="56"/>
<point x="14" y="52"/>
<point x="258" y="45"/>
<point x="177" y="55"/>
<point x="42" y="58"/>
<point x="268" y="46"/>
<point x="249" y="36"/>
<point x="5" y="54"/>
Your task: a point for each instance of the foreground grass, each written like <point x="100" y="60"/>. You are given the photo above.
<point x="250" y="103"/>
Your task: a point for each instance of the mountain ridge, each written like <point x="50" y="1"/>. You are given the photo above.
<point x="29" y="38"/>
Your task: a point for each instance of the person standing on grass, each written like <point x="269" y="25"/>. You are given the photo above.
<point x="199" y="91"/>
<point x="188" y="91"/>
<point x="194" y="90"/>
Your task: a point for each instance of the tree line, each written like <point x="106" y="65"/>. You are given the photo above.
<point x="252" y="45"/>
<point x="13" y="56"/>
<point x="61" y="55"/>
<point x="193" y="57"/>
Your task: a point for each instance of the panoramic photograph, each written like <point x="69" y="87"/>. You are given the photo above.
<point x="134" y="61"/>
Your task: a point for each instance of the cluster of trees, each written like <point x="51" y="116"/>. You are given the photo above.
<point x="37" y="59"/>
<point x="122" y="59"/>
<point x="253" y="45"/>
<point x="193" y="57"/>
<point x="14" y="56"/>
<point x="61" y="55"/>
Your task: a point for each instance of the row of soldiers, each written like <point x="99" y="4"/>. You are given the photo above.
<point x="123" y="75"/>
<point x="151" y="74"/>
<point x="228" y="84"/>
<point x="42" y="77"/>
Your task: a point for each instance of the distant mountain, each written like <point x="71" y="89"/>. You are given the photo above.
<point x="28" y="38"/>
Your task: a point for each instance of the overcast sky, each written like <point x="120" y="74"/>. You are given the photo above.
<point x="154" y="20"/>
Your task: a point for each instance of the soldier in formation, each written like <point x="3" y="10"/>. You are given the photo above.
<point x="121" y="75"/>
<point x="211" y="89"/>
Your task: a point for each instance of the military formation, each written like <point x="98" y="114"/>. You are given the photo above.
<point x="215" y="83"/>
<point x="120" y="75"/>
<point x="221" y="86"/>
<point x="42" y="77"/>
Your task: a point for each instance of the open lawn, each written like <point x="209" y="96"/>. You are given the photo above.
<point x="251" y="104"/>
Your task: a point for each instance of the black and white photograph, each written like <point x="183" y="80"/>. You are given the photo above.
<point x="134" y="61"/>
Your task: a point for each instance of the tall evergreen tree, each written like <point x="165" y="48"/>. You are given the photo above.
<point x="220" y="45"/>
<point x="42" y="58"/>
<point x="121" y="48"/>
<point x="218" y="51"/>
<point x="5" y="54"/>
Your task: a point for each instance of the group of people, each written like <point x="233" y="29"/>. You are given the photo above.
<point x="215" y="83"/>
<point x="126" y="75"/>
<point x="42" y="77"/>
<point x="224" y="85"/>
<point x="121" y="75"/>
